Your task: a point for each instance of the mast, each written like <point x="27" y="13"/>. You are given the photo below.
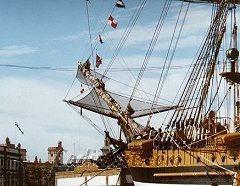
<point x="234" y="75"/>
<point x="236" y="86"/>
<point x="128" y="125"/>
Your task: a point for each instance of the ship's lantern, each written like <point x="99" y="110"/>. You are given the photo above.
<point x="232" y="53"/>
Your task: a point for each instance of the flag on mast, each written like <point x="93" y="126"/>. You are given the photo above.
<point x="120" y="4"/>
<point x="98" y="61"/>
<point x="112" y="22"/>
<point x="100" y="39"/>
<point x="16" y="124"/>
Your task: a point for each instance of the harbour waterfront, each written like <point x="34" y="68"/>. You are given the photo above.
<point x="156" y="88"/>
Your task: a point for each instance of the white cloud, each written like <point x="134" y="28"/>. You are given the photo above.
<point x="14" y="50"/>
<point x="71" y="37"/>
<point x="141" y="35"/>
<point x="39" y="109"/>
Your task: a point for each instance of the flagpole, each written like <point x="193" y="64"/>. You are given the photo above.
<point x="15" y="138"/>
<point x="89" y="31"/>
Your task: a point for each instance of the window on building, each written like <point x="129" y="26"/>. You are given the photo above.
<point x="1" y="165"/>
<point x="17" y="165"/>
<point x="2" y="162"/>
<point x="8" y="164"/>
<point x="12" y="162"/>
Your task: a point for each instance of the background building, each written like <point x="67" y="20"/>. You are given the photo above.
<point x="39" y="174"/>
<point x="55" y="154"/>
<point x="12" y="171"/>
<point x="23" y="152"/>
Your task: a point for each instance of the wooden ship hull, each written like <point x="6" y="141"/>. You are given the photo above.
<point x="199" y="166"/>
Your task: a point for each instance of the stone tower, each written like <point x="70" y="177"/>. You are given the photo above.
<point x="55" y="154"/>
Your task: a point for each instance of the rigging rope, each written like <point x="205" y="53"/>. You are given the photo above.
<point x="90" y="122"/>
<point x="195" y="83"/>
<point x="160" y="87"/>
<point x="102" y="31"/>
<point x="126" y="34"/>
<point x="152" y="44"/>
<point x="84" y="183"/>
<point x="70" y="87"/>
<point x="70" y="69"/>
<point x="89" y="30"/>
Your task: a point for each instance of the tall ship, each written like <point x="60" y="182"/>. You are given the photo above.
<point x="195" y="138"/>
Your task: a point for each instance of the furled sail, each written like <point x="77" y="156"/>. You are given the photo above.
<point x="85" y="81"/>
<point x="96" y="104"/>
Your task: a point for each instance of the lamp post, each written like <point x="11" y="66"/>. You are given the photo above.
<point x="23" y="171"/>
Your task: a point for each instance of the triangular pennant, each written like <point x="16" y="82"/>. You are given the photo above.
<point x="100" y="39"/>
<point x="120" y="4"/>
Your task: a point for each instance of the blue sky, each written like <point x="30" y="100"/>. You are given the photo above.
<point x="55" y="34"/>
<point x="34" y="26"/>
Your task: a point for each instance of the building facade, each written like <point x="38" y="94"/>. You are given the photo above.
<point x="23" y="152"/>
<point x="11" y="166"/>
